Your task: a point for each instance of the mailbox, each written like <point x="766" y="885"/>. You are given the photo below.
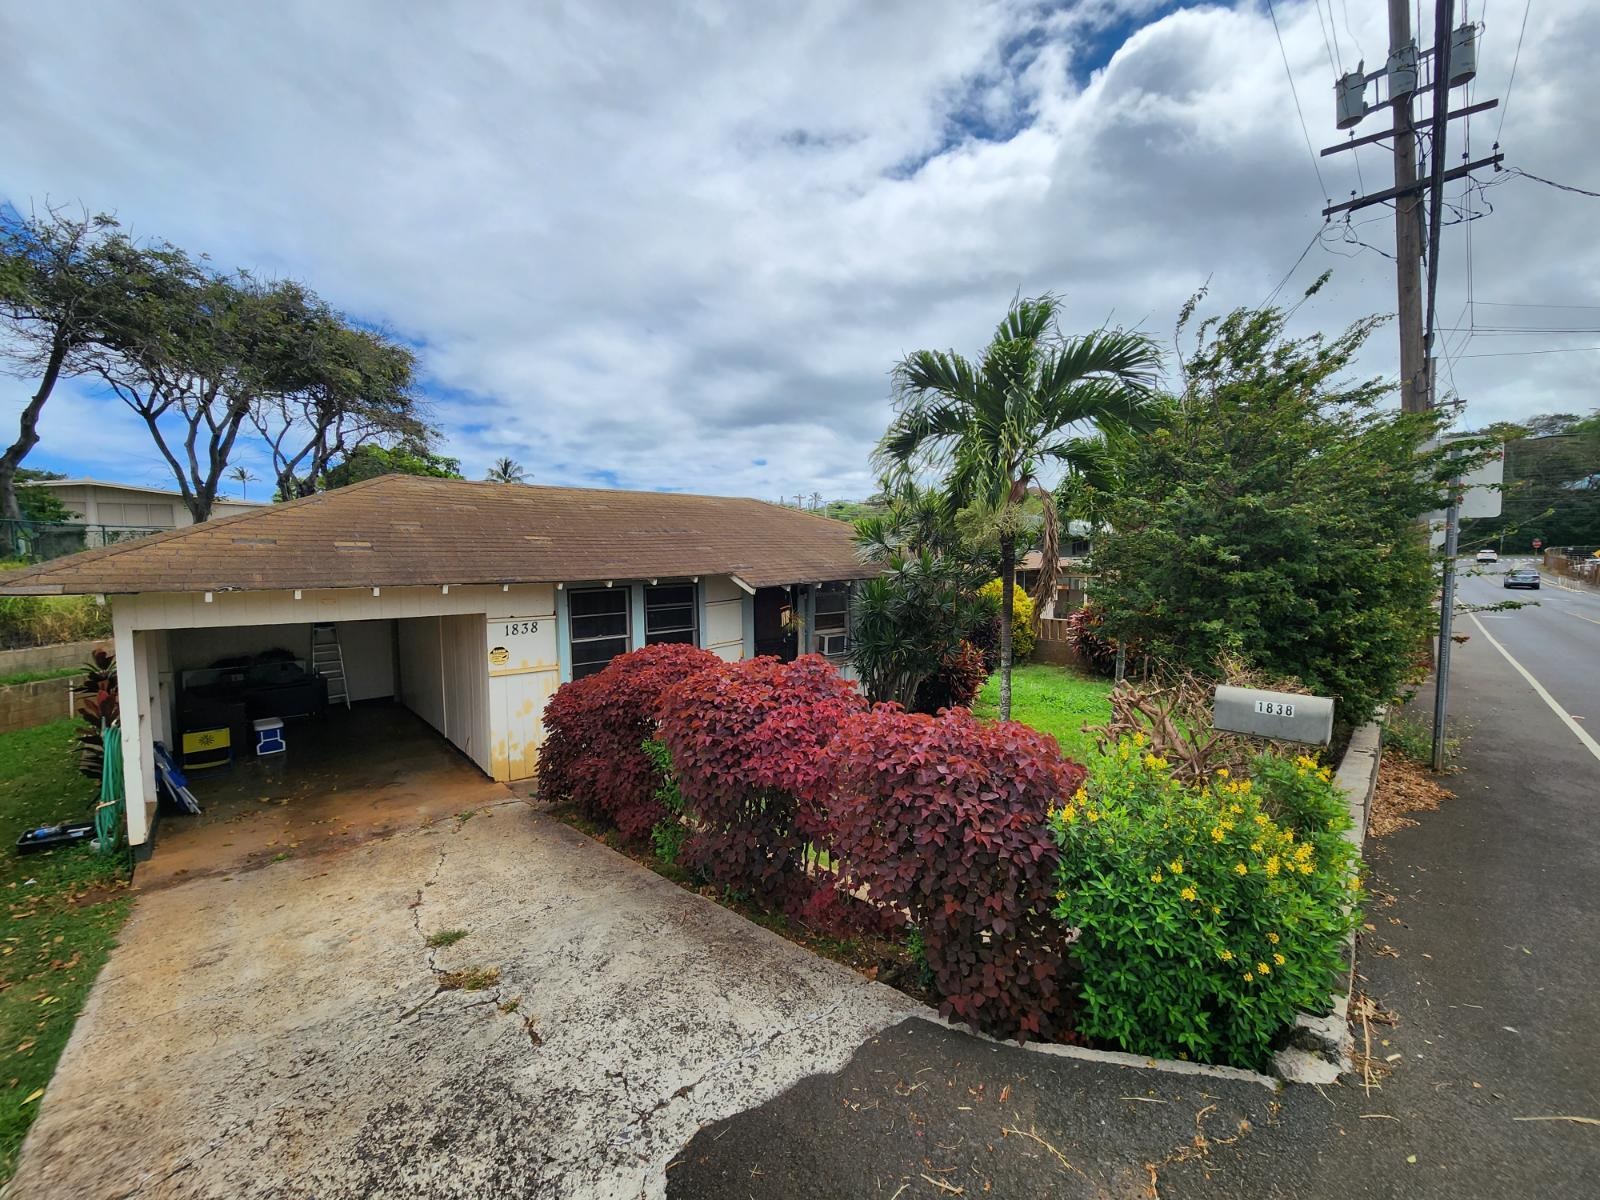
<point x="1282" y="716"/>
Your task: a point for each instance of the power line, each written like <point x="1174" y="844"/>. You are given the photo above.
<point x="1293" y="91"/>
<point x="1526" y="353"/>
<point x="1505" y="104"/>
<point x="1565" y="187"/>
<point x="1524" y="304"/>
<point x="1273" y="295"/>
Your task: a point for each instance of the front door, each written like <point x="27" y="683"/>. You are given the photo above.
<point x="775" y="633"/>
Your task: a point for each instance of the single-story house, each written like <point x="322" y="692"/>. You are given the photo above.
<point x="467" y="603"/>
<point x="128" y="506"/>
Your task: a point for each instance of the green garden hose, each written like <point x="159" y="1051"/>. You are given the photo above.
<point x="108" y="819"/>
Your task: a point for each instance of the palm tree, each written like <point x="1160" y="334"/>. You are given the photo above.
<point x="994" y="425"/>
<point x="245" y="478"/>
<point x="506" y="470"/>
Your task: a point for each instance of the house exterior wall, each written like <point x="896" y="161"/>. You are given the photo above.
<point x="722" y="605"/>
<point x="135" y="507"/>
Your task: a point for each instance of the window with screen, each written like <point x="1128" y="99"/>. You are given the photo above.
<point x="831" y="619"/>
<point x="671" y="614"/>
<point x="597" y="624"/>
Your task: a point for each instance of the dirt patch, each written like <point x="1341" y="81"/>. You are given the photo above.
<point x="1403" y="787"/>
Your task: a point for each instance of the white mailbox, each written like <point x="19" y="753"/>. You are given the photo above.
<point x="1282" y="716"/>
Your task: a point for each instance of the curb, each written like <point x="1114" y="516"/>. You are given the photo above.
<point x="1320" y="1047"/>
<point x="1111" y="1058"/>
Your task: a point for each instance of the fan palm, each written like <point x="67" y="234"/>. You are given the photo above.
<point x="994" y="425"/>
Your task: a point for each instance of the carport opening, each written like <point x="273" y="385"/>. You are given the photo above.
<point x="383" y="726"/>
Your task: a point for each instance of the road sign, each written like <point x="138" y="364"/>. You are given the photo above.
<point x="1280" y="715"/>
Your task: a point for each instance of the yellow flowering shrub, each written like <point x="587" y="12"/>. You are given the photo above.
<point x="1021" y="618"/>
<point x="1207" y="916"/>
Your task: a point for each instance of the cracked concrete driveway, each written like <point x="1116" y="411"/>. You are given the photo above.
<point x="289" y="1031"/>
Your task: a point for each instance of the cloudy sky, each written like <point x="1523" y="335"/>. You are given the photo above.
<point x="680" y="245"/>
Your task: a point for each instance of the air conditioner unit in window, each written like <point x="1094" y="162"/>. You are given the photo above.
<point x="831" y="644"/>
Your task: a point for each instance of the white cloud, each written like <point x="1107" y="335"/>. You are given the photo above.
<point x="658" y="243"/>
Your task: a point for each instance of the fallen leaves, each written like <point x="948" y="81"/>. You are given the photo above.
<point x="1403" y="787"/>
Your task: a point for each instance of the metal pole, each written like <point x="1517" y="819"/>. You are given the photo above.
<point x="1447" y="604"/>
<point x="1122" y="661"/>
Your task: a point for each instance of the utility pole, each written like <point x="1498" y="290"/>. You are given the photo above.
<point x="1407" y="220"/>
<point x="1453" y="63"/>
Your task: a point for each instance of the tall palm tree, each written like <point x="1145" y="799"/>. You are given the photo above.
<point x="506" y="470"/>
<point x="244" y="477"/>
<point x="994" y="425"/>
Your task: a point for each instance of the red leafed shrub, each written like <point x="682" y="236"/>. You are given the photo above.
<point x="1088" y="642"/>
<point x="595" y="730"/>
<point x="956" y="683"/>
<point x="945" y="816"/>
<point x="828" y="910"/>
<point x="746" y="743"/>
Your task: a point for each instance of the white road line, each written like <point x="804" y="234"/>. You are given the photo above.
<point x="1580" y="616"/>
<point x="1590" y="744"/>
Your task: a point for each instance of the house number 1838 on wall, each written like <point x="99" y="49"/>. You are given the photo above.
<point x="513" y="628"/>
<point x="1275" y="708"/>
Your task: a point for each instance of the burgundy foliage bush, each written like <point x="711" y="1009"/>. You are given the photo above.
<point x="746" y="742"/>
<point x="945" y="816"/>
<point x="957" y="682"/>
<point x="595" y="728"/>
<point x="1094" y="650"/>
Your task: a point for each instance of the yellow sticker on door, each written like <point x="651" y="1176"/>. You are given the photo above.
<point x="499" y="656"/>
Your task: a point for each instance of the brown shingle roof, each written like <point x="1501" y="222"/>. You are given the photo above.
<point x="399" y="530"/>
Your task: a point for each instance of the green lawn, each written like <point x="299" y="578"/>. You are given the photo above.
<point x="65" y="908"/>
<point x="1053" y="700"/>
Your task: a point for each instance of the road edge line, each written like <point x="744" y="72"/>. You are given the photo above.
<point x="1589" y="743"/>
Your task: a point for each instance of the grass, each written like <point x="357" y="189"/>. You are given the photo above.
<point x="1053" y="700"/>
<point x="445" y="937"/>
<point x="1410" y="735"/>
<point x="38" y="676"/>
<point x="65" y="908"/>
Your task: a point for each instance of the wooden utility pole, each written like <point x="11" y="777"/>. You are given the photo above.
<point x="1414" y="390"/>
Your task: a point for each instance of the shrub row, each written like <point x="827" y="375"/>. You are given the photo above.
<point x="1197" y="919"/>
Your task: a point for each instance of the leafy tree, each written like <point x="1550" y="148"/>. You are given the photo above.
<point x="190" y="351"/>
<point x="995" y="425"/>
<point x="1551" y="487"/>
<point x="334" y="388"/>
<point x="41" y="504"/>
<point x="407" y="458"/>
<point x="54" y="275"/>
<point x="908" y="622"/>
<point x="506" y="470"/>
<point x="1271" y="513"/>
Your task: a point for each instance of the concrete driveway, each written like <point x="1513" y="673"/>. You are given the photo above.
<point x="289" y="1032"/>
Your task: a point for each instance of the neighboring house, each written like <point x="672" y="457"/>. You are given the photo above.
<point x="1072" y="580"/>
<point x="125" y="506"/>
<point x="469" y="603"/>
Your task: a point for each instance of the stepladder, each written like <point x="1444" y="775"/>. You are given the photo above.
<point x="327" y="661"/>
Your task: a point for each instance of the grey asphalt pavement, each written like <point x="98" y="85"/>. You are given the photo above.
<point x="1485" y="942"/>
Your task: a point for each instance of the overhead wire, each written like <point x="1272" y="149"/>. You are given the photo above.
<point x="1505" y="103"/>
<point x="1294" y="92"/>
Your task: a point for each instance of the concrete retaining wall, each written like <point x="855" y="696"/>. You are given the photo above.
<point x="49" y="658"/>
<point x="24" y="705"/>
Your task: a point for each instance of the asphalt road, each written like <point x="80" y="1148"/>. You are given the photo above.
<point x="1556" y="636"/>
<point x="1484" y="941"/>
